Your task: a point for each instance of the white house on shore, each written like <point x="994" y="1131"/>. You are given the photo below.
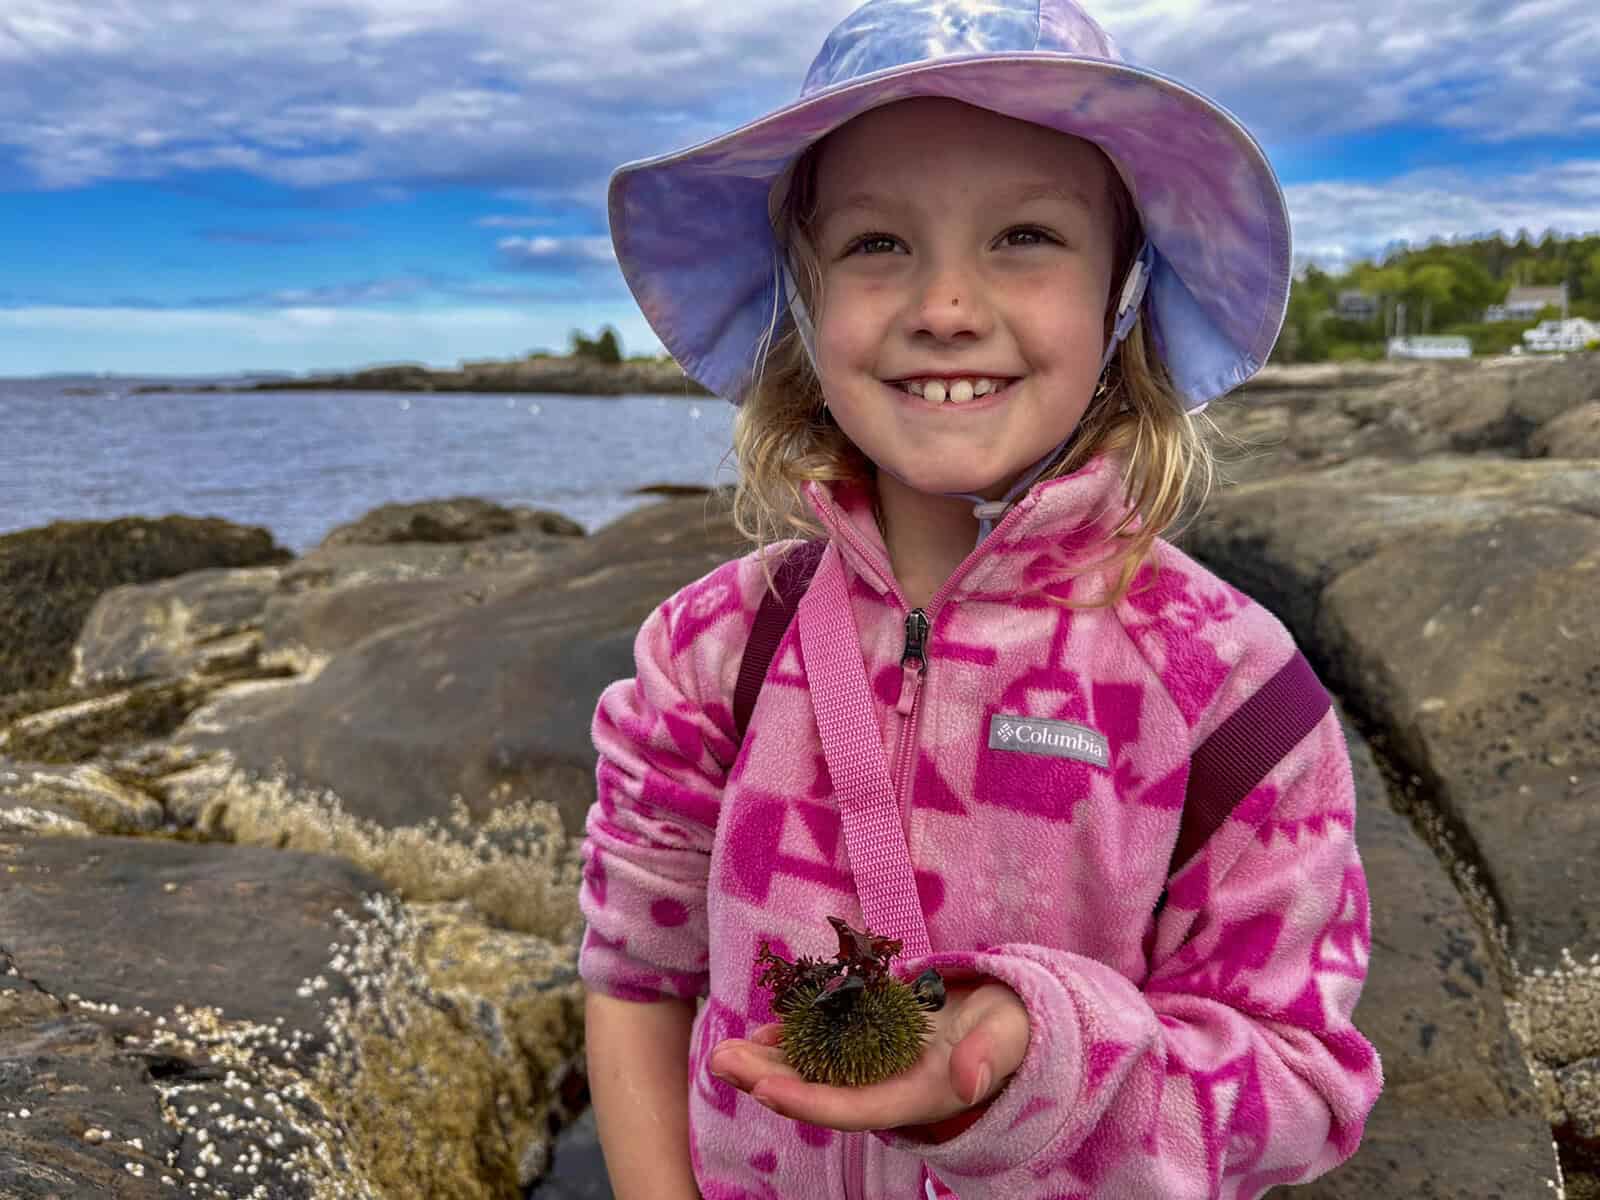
<point x="1576" y="333"/>
<point x="1437" y="346"/>
<point x="1525" y="303"/>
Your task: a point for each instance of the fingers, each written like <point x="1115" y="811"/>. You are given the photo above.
<point x="971" y="1073"/>
<point x="898" y="1101"/>
<point x="744" y="1063"/>
<point x="993" y="1045"/>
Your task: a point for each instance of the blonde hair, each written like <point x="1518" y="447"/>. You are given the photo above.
<point x="784" y="438"/>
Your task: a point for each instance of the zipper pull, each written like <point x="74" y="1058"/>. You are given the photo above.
<point x="913" y="662"/>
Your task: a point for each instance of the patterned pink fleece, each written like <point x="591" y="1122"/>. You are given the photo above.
<point x="1209" y="1053"/>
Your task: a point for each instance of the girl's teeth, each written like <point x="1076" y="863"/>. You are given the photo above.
<point x="955" y="391"/>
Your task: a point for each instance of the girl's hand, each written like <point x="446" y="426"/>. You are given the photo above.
<point x="979" y="1039"/>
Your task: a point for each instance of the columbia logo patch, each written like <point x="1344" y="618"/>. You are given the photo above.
<point x="1058" y="739"/>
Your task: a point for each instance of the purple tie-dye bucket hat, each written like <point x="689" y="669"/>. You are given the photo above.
<point x="693" y="232"/>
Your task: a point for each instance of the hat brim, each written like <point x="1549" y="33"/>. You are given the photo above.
<point x="694" y="241"/>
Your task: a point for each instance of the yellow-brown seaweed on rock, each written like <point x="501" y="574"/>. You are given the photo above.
<point x="849" y="1022"/>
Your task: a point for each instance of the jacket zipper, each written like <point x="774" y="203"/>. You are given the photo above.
<point x="913" y="668"/>
<point x="855" y="1176"/>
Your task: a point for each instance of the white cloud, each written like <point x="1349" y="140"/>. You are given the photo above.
<point x="510" y="221"/>
<point x="551" y="95"/>
<point x="1338" y="223"/>
<point x="540" y="93"/>
<point x="306" y="337"/>
<point x="551" y="253"/>
<point x="1485" y="68"/>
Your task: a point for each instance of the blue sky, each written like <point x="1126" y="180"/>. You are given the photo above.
<point x="313" y="184"/>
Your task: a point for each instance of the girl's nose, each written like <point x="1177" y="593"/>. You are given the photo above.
<point x="950" y="302"/>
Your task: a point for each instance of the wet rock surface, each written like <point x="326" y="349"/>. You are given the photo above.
<point x="190" y="915"/>
<point x="1432" y="1002"/>
<point x="78" y="1117"/>
<point x="1419" y="1156"/>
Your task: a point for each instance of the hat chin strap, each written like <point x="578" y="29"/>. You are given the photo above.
<point x="989" y="512"/>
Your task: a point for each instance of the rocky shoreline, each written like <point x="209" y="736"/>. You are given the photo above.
<point x="288" y="897"/>
<point x="537" y="376"/>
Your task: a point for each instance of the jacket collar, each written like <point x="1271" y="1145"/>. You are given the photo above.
<point x="1049" y="544"/>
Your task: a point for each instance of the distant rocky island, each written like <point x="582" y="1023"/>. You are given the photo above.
<point x="570" y="374"/>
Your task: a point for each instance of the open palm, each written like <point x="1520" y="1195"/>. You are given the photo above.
<point x="979" y="1038"/>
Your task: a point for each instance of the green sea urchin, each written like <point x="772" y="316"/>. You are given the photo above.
<point x="849" y="1022"/>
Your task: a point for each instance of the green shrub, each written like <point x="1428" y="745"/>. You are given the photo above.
<point x="606" y="348"/>
<point x="1356" y="352"/>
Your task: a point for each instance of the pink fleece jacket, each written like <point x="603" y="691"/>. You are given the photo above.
<point x="1207" y="1052"/>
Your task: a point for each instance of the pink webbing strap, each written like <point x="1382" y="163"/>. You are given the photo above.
<point x="853" y="747"/>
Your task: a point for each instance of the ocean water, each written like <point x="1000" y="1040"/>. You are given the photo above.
<point x="300" y="463"/>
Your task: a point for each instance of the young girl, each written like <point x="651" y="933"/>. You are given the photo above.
<point x="968" y="291"/>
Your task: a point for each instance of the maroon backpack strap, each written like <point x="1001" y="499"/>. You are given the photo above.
<point x="1240" y="753"/>
<point x="790" y="579"/>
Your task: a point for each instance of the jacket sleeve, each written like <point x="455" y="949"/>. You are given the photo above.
<point x="665" y="740"/>
<point x="1235" y="1066"/>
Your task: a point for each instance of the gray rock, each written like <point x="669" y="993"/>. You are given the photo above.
<point x="461" y="519"/>
<point x="200" y="621"/>
<point x="114" y="950"/>
<point x="1407" y="412"/>
<point x="86" y="793"/>
<point x="87" y="1104"/>
<point x="211" y="621"/>
<point x="157" y="924"/>
<point x="1573" y="434"/>
<point x="578" y="1166"/>
<point x="1580" y="1096"/>
<point x="1449" y="602"/>
<point x="1441" y="1158"/>
<point x="488" y="701"/>
<point x="1431" y="1004"/>
<point x="301" y="628"/>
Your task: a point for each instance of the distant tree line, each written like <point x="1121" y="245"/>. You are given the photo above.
<point x="1444" y="288"/>
<point x="605" y="347"/>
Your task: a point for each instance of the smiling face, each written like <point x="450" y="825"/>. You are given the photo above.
<point x="965" y="265"/>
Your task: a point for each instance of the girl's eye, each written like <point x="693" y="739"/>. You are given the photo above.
<point x="1026" y="235"/>
<point x="872" y="243"/>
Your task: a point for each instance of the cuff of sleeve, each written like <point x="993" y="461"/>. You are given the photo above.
<point x="603" y="967"/>
<point x="1028" y="1113"/>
